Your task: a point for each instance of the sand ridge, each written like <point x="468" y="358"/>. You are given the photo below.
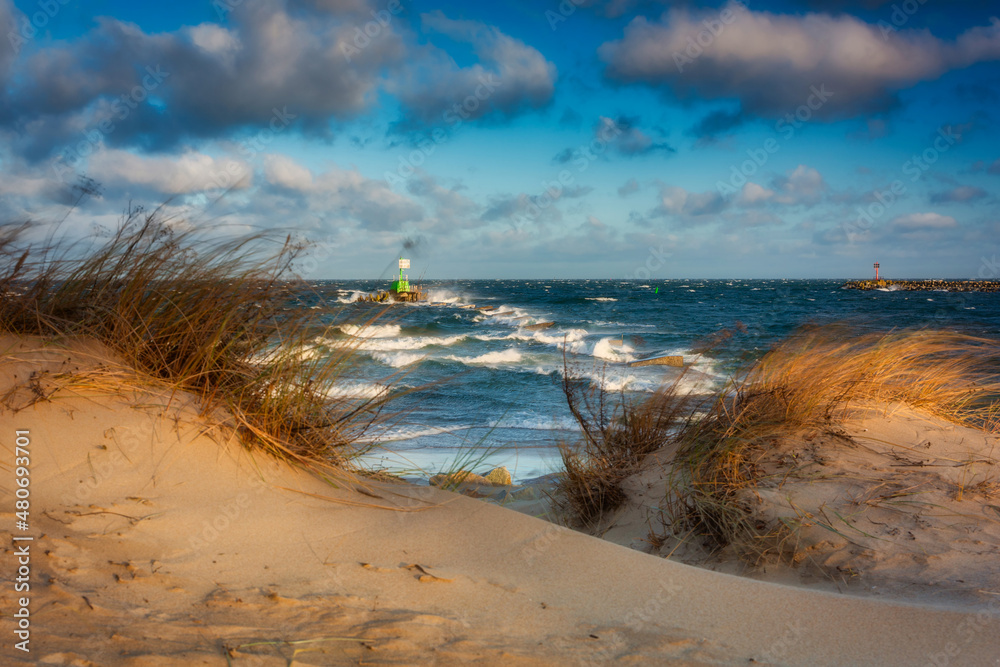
<point x="166" y="543"/>
<point x="891" y="502"/>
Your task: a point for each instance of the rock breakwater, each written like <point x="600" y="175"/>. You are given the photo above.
<point x="926" y="285"/>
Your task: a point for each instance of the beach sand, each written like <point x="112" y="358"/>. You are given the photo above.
<point x="890" y="502"/>
<point x="159" y="540"/>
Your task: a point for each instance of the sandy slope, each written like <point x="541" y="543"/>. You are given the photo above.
<point x="159" y="542"/>
<point x="890" y="502"/>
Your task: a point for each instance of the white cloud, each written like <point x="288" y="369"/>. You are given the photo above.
<point x="772" y="62"/>
<point x="924" y="221"/>
<point x="343" y="193"/>
<point x="171" y="175"/>
<point x="678" y="201"/>
<point x="216" y="41"/>
<point x="510" y="77"/>
<point x="802" y="185"/>
<point x="755" y="194"/>
<point x="285" y="172"/>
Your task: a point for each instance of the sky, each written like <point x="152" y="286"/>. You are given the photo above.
<point x="526" y="139"/>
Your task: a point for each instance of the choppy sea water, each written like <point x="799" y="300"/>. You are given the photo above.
<point x="489" y="385"/>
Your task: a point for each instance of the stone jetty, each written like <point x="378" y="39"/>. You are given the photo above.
<point x="926" y="285"/>
<point x="660" y="360"/>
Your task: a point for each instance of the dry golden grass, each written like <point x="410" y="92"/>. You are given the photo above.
<point x="811" y="380"/>
<point x="219" y="318"/>
<point x="618" y="434"/>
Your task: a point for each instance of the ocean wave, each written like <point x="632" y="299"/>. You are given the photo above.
<point x="352" y="295"/>
<point x="599" y="298"/>
<point x="535" y="423"/>
<point x="397" y="359"/>
<point x="440" y="295"/>
<point x="418" y="431"/>
<point x="557" y="338"/>
<point x="508" y="356"/>
<point x="629" y="325"/>
<point x="511" y="313"/>
<point x="618" y="379"/>
<point x="370" y="330"/>
<point x="696" y="383"/>
<point x="604" y="349"/>
<point x="634" y="379"/>
<point x="356" y="388"/>
<point x="287" y="352"/>
<point x="403" y="343"/>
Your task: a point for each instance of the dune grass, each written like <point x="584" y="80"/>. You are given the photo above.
<point x="218" y="318"/>
<point x="812" y="380"/>
<point x="617" y="435"/>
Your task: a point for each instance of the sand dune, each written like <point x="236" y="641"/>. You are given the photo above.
<point x="161" y="541"/>
<point x="891" y="503"/>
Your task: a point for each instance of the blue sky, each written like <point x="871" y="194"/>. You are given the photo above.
<point x="584" y="138"/>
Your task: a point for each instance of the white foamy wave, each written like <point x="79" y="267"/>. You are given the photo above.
<point x="535" y="423"/>
<point x="599" y="298"/>
<point x="558" y="338"/>
<point x="350" y="296"/>
<point x="571" y="336"/>
<point x="509" y="356"/>
<point x="287" y="353"/>
<point x="371" y="330"/>
<point x="605" y="349"/>
<point x="410" y="432"/>
<point x="511" y="313"/>
<point x="630" y="325"/>
<point x="408" y="342"/>
<point x="611" y="378"/>
<point x="356" y="388"/>
<point x="398" y="359"/>
<point x="695" y="383"/>
<point x="443" y="296"/>
<point x="616" y="379"/>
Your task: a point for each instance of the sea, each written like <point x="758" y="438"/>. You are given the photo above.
<point x="475" y="386"/>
